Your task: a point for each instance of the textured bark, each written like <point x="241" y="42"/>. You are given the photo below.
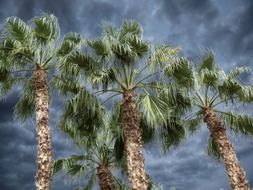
<point x="235" y="172"/>
<point x="133" y="143"/>
<point x="105" y="178"/>
<point x="44" y="152"/>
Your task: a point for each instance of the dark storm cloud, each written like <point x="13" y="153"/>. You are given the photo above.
<point x="197" y="11"/>
<point x="17" y="150"/>
<point x="243" y="38"/>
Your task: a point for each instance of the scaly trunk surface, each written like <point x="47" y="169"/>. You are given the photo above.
<point x="235" y="172"/>
<point x="44" y="152"/>
<point x="133" y="142"/>
<point x="105" y="178"/>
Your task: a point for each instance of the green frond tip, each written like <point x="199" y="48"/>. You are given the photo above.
<point x="77" y="61"/>
<point x="232" y="88"/>
<point x="238" y="123"/>
<point x="208" y="63"/>
<point x="154" y="110"/>
<point x="181" y="71"/>
<point x="71" y="42"/>
<point x="131" y="27"/>
<point x="18" y="29"/>
<point x="46" y="28"/>
<point x="236" y="72"/>
<point x="101" y="47"/>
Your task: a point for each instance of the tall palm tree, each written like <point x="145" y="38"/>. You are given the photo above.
<point x="121" y="62"/>
<point x="213" y="94"/>
<point x="28" y="53"/>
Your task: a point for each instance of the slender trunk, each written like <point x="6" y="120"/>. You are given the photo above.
<point x="133" y="143"/>
<point x="44" y="152"/>
<point x="105" y="178"/>
<point x="235" y="172"/>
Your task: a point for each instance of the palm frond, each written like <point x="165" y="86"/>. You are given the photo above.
<point x="130" y="27"/>
<point x="208" y="63"/>
<point x="5" y="88"/>
<point x="25" y="107"/>
<point x="46" y="28"/>
<point x="162" y="56"/>
<point x="154" y="110"/>
<point x="209" y="77"/>
<point x="176" y="97"/>
<point x="71" y="41"/>
<point x="246" y="93"/>
<point x="4" y="74"/>
<point x="119" y="184"/>
<point x="66" y="85"/>
<point x="102" y="78"/>
<point x="212" y="149"/>
<point x="66" y="163"/>
<point x="82" y="115"/>
<point x="18" y="30"/>
<point x="238" y="123"/>
<point x="236" y="72"/>
<point x="101" y="47"/>
<point x="148" y="132"/>
<point x="181" y="71"/>
<point x="77" y="169"/>
<point x="139" y="46"/>
<point x="172" y="134"/>
<point x="193" y="124"/>
<point x="76" y="61"/>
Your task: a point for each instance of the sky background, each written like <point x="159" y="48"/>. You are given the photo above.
<point x="226" y="26"/>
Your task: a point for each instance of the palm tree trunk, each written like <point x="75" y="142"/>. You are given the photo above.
<point x="235" y="172"/>
<point x="44" y="152"/>
<point x="133" y="143"/>
<point x="105" y="178"/>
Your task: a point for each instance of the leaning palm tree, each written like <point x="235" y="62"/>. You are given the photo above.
<point x="28" y="52"/>
<point x="121" y="62"/>
<point x="213" y="94"/>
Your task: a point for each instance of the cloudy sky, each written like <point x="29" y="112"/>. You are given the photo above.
<point x="226" y="26"/>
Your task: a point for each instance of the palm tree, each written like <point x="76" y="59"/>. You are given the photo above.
<point x="213" y="94"/>
<point x="28" y="52"/>
<point x="98" y="157"/>
<point x="121" y="62"/>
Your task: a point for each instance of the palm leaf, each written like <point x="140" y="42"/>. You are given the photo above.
<point x="162" y="55"/>
<point x="193" y="125"/>
<point x="46" y="28"/>
<point x="212" y="149"/>
<point x="66" y="163"/>
<point x="238" y="123"/>
<point x="71" y="41"/>
<point x="172" y="134"/>
<point x="208" y="63"/>
<point x="18" y="29"/>
<point x="236" y="72"/>
<point x="154" y="110"/>
<point x="130" y="27"/>
<point x="181" y="71"/>
<point x="25" y="107"/>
